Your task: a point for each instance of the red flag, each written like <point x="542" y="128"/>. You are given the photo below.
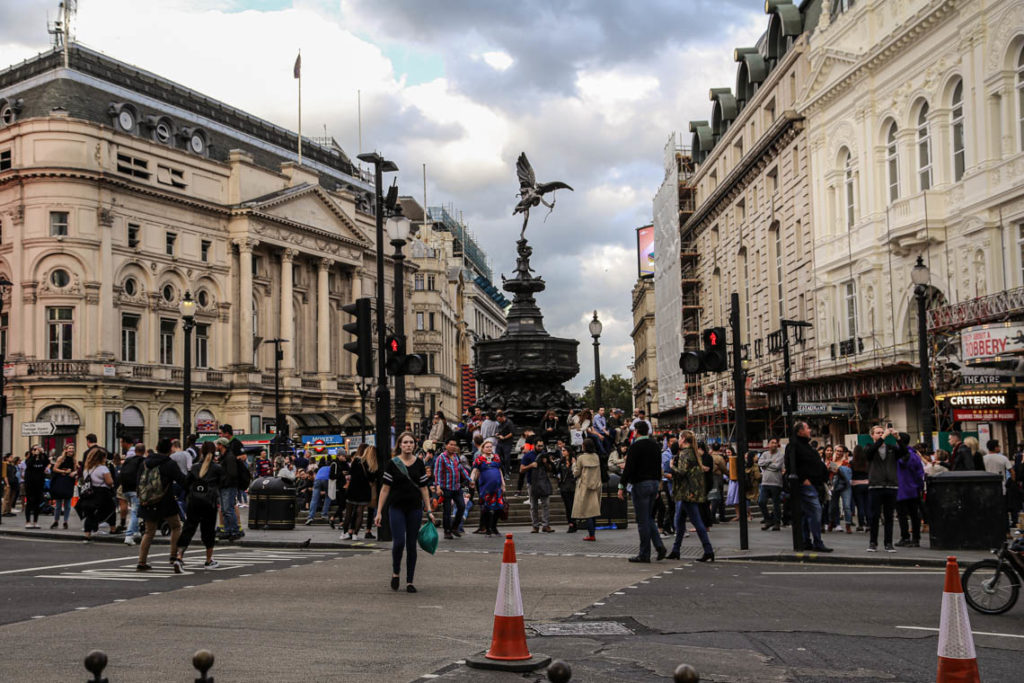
<point x="298" y="66"/>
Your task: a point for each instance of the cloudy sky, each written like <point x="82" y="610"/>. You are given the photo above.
<point x="591" y="90"/>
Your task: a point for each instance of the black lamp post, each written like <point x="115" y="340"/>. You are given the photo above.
<point x="920" y="276"/>
<point x="187" y="307"/>
<point x="399" y="227"/>
<point x="595" y="332"/>
<point x="383" y="394"/>
<point x="280" y="428"/>
<point x="4" y="282"/>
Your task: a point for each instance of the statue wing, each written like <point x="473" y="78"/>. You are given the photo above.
<point x="544" y="188"/>
<point x="527" y="178"/>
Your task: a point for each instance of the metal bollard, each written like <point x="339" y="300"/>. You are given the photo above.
<point x="95" y="663"/>
<point x="202" y="660"/>
<point x="685" y="673"/>
<point x="559" y="672"/>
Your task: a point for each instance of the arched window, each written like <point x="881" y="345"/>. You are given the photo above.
<point x="924" y="149"/>
<point x="957" y="121"/>
<point x="849" y="192"/>
<point x="1020" y="96"/>
<point x="892" y="163"/>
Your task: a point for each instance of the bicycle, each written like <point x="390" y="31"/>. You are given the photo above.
<point x="992" y="586"/>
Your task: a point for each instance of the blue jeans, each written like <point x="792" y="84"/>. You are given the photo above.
<point x="773" y="493"/>
<point x="319" y="490"/>
<point x="61" y="503"/>
<point x="405" y="529"/>
<point x="591" y="526"/>
<point x="133" y="513"/>
<point x="810" y="505"/>
<point x="846" y="495"/>
<point x="228" y="497"/>
<point x="684" y="510"/>
<point x="644" y="493"/>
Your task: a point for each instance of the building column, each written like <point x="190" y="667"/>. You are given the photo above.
<point x="323" y="318"/>
<point x="109" y="317"/>
<point x="287" y="330"/>
<point x="355" y="292"/>
<point x="245" y="337"/>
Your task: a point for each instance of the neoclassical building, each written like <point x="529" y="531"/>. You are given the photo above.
<point x="645" y="357"/>
<point x="915" y="119"/>
<point x="120" y="191"/>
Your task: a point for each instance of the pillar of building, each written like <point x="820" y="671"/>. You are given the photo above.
<point x="323" y="318"/>
<point x="287" y="330"/>
<point x="245" y="336"/>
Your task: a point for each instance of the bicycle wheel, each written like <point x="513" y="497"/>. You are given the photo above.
<point x="990" y="588"/>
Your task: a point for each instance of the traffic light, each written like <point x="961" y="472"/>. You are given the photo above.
<point x="362" y="328"/>
<point x="713" y="357"/>
<point x="401" y="363"/>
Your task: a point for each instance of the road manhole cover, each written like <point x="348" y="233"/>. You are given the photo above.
<point x="582" y="628"/>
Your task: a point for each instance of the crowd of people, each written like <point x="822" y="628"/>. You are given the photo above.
<point x="678" y="484"/>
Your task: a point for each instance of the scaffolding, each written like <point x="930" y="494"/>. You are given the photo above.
<point x="465" y="245"/>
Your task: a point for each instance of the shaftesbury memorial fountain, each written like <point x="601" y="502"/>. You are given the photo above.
<point x="522" y="372"/>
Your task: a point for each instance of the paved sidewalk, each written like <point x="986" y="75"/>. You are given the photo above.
<point x="764" y="545"/>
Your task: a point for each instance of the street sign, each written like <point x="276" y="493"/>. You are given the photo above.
<point x="38" y="428"/>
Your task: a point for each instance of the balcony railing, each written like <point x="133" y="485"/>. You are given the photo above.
<point x="58" y="368"/>
<point x="308" y="383"/>
<point x="985" y="309"/>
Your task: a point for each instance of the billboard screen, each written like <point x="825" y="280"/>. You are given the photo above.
<point x="645" y="251"/>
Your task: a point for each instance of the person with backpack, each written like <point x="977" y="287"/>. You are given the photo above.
<point x="157" y="504"/>
<point x="689" y="489"/>
<point x="535" y="465"/>
<point x="201" y="502"/>
<point x="127" y="482"/>
<point x="62" y="484"/>
<point x="842" y="489"/>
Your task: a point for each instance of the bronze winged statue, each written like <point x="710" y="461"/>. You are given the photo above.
<point x="531" y="193"/>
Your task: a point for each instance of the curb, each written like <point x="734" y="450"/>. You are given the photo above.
<point x="820" y="558"/>
<point x="75" y="537"/>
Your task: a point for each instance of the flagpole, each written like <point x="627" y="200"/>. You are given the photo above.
<point x="300" y="108"/>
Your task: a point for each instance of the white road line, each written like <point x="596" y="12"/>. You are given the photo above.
<point x="75" y="564"/>
<point x="977" y="633"/>
<point x="90" y="577"/>
<point x="856" y="573"/>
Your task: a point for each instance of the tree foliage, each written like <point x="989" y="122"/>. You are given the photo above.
<point x="616" y="392"/>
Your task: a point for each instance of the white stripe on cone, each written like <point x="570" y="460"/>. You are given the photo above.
<point x="509" y="602"/>
<point x="955" y="638"/>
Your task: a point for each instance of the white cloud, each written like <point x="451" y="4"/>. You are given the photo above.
<point x="498" y="60"/>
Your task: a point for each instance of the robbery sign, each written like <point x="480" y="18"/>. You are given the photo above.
<point x="986" y="342"/>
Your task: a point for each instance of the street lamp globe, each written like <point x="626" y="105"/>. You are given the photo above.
<point x="399" y="228"/>
<point x="187" y="307"/>
<point x="919" y="274"/>
<point x="595" y="327"/>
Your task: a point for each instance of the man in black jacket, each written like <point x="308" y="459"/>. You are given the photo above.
<point x="236" y="478"/>
<point x="643" y="471"/>
<point x="506" y="440"/>
<point x="812" y="473"/>
<point x="883" y="481"/>
<point x="960" y="455"/>
<point x="157" y="503"/>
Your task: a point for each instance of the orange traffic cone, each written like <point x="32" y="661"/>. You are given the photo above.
<point x="508" y="641"/>
<point x="958" y="662"/>
<point x="508" y="649"/>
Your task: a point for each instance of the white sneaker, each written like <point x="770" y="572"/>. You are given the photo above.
<point x="128" y="540"/>
<point x="212" y="564"/>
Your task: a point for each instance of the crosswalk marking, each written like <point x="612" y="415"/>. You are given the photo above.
<point x="228" y="560"/>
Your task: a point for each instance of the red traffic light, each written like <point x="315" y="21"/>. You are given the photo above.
<point x="713" y="338"/>
<point x="394" y="346"/>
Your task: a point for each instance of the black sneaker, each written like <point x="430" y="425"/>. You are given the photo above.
<point x="902" y="543"/>
<point x="873" y="548"/>
<point x="661" y="554"/>
<point x="674" y="555"/>
<point x="890" y="549"/>
<point x="645" y="560"/>
<point x="822" y="549"/>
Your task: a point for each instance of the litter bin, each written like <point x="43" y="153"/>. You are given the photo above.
<point x="271" y="503"/>
<point x="966" y="511"/>
<point x="614" y="512"/>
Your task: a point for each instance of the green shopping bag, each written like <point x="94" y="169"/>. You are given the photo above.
<point x="427" y="538"/>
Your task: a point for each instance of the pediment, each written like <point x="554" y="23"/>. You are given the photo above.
<point x="310" y="207"/>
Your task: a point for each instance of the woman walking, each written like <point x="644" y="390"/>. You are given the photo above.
<point x="405" y="487"/>
<point x="567" y="484"/>
<point x="587" y="501"/>
<point x="205" y="480"/>
<point x="96" y="495"/>
<point x="753" y="483"/>
<point x="62" y="484"/>
<point x="358" y="492"/>
<point x="491" y="485"/>
<point x="36" y="466"/>
<point x="689" y="491"/>
<point x="842" y="491"/>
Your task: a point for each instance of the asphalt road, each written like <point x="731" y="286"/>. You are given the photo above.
<point x="774" y="622"/>
<point x="46" y="577"/>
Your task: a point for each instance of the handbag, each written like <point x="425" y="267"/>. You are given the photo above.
<point x="427" y="538"/>
<point x="576" y="437"/>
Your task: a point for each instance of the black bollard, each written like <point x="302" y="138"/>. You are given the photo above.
<point x="95" y="663"/>
<point x="559" y="672"/>
<point x="685" y="673"/>
<point x="202" y="660"/>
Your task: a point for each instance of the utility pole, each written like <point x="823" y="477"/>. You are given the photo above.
<point x="739" y="379"/>
<point x="796" y="519"/>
